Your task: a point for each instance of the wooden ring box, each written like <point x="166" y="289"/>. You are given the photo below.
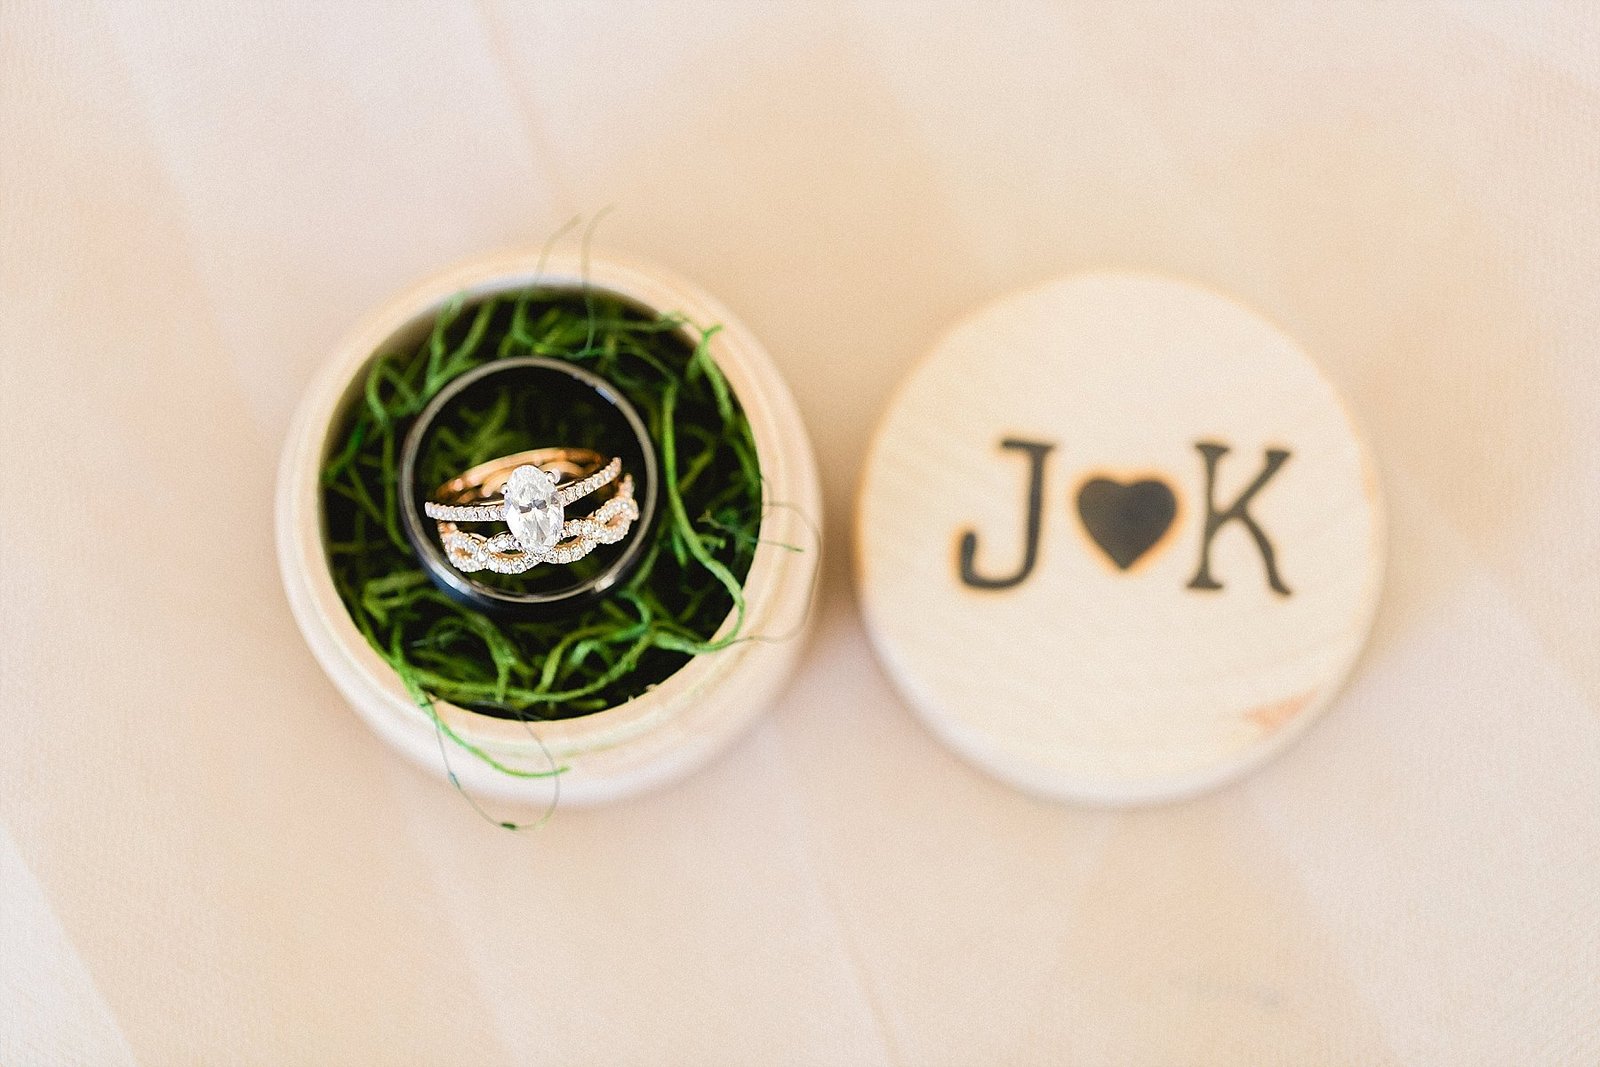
<point x="680" y="723"/>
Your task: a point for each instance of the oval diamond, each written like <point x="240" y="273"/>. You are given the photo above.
<point x="531" y="509"/>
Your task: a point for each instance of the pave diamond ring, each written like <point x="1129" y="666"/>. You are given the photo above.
<point x="530" y="492"/>
<point x="543" y="394"/>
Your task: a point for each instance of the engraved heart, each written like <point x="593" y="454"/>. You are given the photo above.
<point x="1126" y="520"/>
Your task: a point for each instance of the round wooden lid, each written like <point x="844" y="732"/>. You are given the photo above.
<point x="1118" y="539"/>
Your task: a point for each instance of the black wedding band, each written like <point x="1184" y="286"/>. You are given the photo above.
<point x="544" y="592"/>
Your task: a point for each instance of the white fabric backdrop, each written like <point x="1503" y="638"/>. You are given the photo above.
<point x="205" y="858"/>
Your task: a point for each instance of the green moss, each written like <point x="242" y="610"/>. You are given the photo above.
<point x="668" y="610"/>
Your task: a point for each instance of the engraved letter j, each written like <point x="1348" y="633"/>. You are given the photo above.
<point x="1036" y="453"/>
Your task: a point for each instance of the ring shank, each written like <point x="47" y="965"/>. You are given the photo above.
<point x="486" y="480"/>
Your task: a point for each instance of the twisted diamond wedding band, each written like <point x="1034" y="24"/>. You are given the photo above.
<point x="545" y="393"/>
<point x="526" y="491"/>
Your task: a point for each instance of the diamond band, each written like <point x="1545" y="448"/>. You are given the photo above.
<point x="526" y="492"/>
<point x="504" y="554"/>
<point x="565" y="495"/>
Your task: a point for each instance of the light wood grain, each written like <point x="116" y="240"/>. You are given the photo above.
<point x="1095" y="678"/>
<point x="683" y="721"/>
